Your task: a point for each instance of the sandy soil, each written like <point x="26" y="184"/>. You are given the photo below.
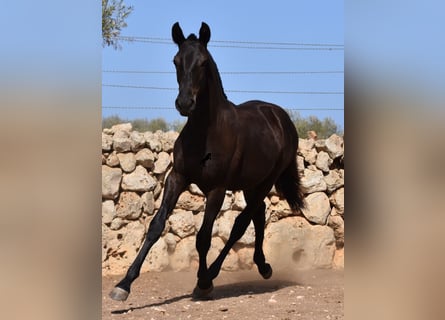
<point x="237" y="295"/>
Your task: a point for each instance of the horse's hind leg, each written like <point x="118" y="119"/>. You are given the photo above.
<point x="255" y="207"/>
<point x="239" y="227"/>
<point x="259" y="221"/>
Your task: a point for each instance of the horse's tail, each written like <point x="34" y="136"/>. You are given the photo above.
<point x="288" y="184"/>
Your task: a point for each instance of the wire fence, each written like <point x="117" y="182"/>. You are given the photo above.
<point x="229" y="90"/>
<point x="236" y="44"/>
<point x="228" y="72"/>
<point x="261" y="45"/>
<point x="172" y="108"/>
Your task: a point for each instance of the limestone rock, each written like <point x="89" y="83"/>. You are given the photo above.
<point x="108" y="211"/>
<point x="274" y="200"/>
<point x="333" y="211"/>
<point x="121" y="141"/>
<point x="135" y="232"/>
<point x="153" y="141"/>
<point x="117" y="223"/>
<point x="162" y="163"/>
<point x="239" y="203"/>
<point x="245" y="258"/>
<point x="129" y="206"/>
<point x="320" y="145"/>
<point x="112" y="160"/>
<point x="317" y="208"/>
<point x="310" y="156"/>
<point x="110" y="239"/>
<point x="293" y="242"/>
<point x="194" y="189"/>
<point x="182" y="223"/>
<point x="148" y="203"/>
<point x="312" y="181"/>
<point x="145" y="158"/>
<point x="138" y="180"/>
<point x="107" y="142"/>
<point x="225" y="224"/>
<point x="137" y="141"/>
<point x="190" y="202"/>
<point x="227" y="203"/>
<point x="334" y="180"/>
<point x="323" y="161"/>
<point x="338" y="200"/>
<point x="305" y="144"/>
<point x="127" y="161"/>
<point x="171" y="240"/>
<point x="111" y="179"/>
<point x="231" y="261"/>
<point x="336" y="222"/>
<point x="157" y="259"/>
<point x="339" y="259"/>
<point x="168" y="140"/>
<point x="279" y="210"/>
<point x="127" y="127"/>
<point x="130" y="241"/>
<point x="334" y="146"/>
<point x="184" y="254"/>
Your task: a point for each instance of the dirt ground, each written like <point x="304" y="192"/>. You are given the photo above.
<point x="237" y="295"/>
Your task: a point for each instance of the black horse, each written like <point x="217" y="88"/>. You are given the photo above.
<point x="222" y="147"/>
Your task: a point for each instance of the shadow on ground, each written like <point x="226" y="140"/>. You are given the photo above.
<point x="232" y="290"/>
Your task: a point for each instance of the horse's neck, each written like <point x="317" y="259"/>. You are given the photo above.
<point x="212" y="104"/>
<point x="217" y="99"/>
<point x="214" y="82"/>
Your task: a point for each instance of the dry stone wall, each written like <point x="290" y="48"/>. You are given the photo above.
<point x="134" y="167"/>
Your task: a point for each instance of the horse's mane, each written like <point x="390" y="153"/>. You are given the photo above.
<point x="215" y="72"/>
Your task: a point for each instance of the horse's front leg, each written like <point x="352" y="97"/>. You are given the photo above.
<point x="174" y="186"/>
<point x="214" y="202"/>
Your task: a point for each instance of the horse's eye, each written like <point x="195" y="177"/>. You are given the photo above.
<point x="176" y="61"/>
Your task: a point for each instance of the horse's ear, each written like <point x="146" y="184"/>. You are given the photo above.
<point x="204" y="34"/>
<point x="177" y="34"/>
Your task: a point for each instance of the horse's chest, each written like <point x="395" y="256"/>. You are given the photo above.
<point x="204" y="168"/>
<point x="203" y="161"/>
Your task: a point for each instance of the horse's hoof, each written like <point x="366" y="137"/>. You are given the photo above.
<point x="119" y="294"/>
<point x="202" y="294"/>
<point x="267" y="272"/>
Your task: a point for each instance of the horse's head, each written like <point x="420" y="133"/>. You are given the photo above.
<point x="190" y="62"/>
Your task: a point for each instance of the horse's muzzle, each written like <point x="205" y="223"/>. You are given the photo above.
<point x="185" y="106"/>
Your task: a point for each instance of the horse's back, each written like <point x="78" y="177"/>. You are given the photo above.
<point x="266" y="142"/>
<point x="267" y="118"/>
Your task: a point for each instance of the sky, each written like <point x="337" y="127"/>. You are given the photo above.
<point x="310" y="65"/>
